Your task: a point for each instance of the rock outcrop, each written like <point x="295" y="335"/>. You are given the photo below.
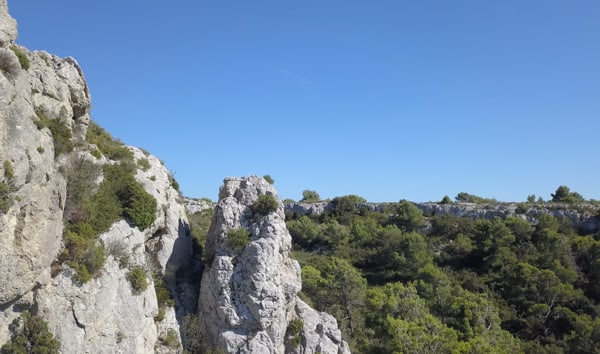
<point x="103" y="315"/>
<point x="585" y="217"/>
<point x="248" y="293"/>
<point x="195" y="205"/>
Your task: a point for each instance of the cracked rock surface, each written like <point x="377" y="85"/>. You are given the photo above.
<point x="249" y="296"/>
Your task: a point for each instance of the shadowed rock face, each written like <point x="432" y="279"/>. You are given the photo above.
<point x="249" y="296"/>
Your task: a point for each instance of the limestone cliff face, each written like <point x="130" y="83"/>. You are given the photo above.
<point x="248" y="294"/>
<point x="103" y="315"/>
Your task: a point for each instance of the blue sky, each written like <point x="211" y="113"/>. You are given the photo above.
<point x="385" y="99"/>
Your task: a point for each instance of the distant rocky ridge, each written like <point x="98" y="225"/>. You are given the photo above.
<point x="585" y="217"/>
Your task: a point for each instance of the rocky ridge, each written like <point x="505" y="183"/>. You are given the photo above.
<point x="103" y="315"/>
<point x="585" y="217"/>
<point x="248" y="296"/>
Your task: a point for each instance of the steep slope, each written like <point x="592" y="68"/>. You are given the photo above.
<point x="248" y="298"/>
<point x="44" y="143"/>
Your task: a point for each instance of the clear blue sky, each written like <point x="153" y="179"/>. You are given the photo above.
<point x="385" y="99"/>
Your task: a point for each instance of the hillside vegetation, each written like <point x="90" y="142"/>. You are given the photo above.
<point x="399" y="281"/>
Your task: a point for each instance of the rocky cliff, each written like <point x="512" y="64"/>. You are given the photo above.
<point x="44" y="121"/>
<point x="248" y="298"/>
<point x="95" y="244"/>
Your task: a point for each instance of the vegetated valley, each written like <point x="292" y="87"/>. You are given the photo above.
<point x="401" y="281"/>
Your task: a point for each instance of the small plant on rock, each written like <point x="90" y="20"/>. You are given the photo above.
<point x="31" y="335"/>
<point x="265" y="205"/>
<point x="137" y="278"/>
<point x="237" y="239"/>
<point x="294" y="331"/>
<point x="9" y="171"/>
<point x="22" y="56"/>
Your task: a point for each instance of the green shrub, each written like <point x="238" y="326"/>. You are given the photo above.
<point x="22" y="56"/>
<point x="96" y="153"/>
<point x="111" y="148"/>
<point x="9" y="171"/>
<point x="137" y="278"/>
<point x="90" y="214"/>
<point x="163" y="295"/>
<point x="139" y="206"/>
<point x="160" y="315"/>
<point x="174" y="182"/>
<point x="171" y="340"/>
<point x="41" y="150"/>
<point x="135" y="204"/>
<point x="265" y="205"/>
<point x="294" y="331"/>
<point x="464" y="197"/>
<point x="31" y="335"/>
<point x="61" y="134"/>
<point x="144" y="164"/>
<point x="199" y="224"/>
<point x="310" y="196"/>
<point x="269" y="179"/>
<point x="446" y="200"/>
<point x="81" y="184"/>
<point x="237" y="239"/>
<point x="6" y="199"/>
<point x="191" y="331"/>
<point x="120" y="337"/>
<point x="85" y="255"/>
<point x="521" y="209"/>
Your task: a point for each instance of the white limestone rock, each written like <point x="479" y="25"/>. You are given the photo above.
<point x="248" y="298"/>
<point x="195" y="205"/>
<point x="8" y="26"/>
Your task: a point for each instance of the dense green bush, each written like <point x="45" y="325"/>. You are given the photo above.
<point x="84" y="253"/>
<point x="22" y="56"/>
<point x="446" y="200"/>
<point x="137" y="279"/>
<point x="269" y="179"/>
<point x="91" y="210"/>
<point x="125" y="195"/>
<point x="464" y="197"/>
<point x="309" y="196"/>
<point x="265" y="205"/>
<point x="238" y="239"/>
<point x="31" y="335"/>
<point x="564" y="195"/>
<point x="109" y="147"/>
<point x="144" y="164"/>
<point x="138" y="205"/>
<point x="61" y="134"/>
